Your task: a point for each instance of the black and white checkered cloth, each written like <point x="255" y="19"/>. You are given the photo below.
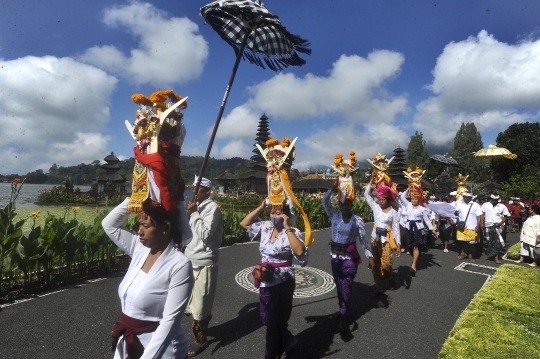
<point x="268" y="41"/>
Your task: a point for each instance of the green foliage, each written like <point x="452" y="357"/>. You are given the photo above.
<point x="502" y="319"/>
<point x="59" y="194"/>
<point x="526" y="187"/>
<point x="513" y="251"/>
<point x="417" y="152"/>
<point x="232" y="231"/>
<point x="468" y="141"/>
<point x="241" y="200"/>
<point x="521" y="139"/>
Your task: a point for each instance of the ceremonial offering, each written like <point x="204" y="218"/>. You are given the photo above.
<point x="345" y="168"/>
<point x="384" y="185"/>
<point x="415" y="183"/>
<point x="159" y="133"/>
<point x="461" y="180"/>
<point x="279" y="157"/>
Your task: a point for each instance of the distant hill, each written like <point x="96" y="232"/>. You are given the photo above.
<point x="83" y="174"/>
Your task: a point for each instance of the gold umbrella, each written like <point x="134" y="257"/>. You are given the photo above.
<point x="493" y="152"/>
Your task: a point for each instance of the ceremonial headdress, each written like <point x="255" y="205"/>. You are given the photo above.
<point x="159" y="133"/>
<point x="279" y="157"/>
<point x="384" y="185"/>
<point x="415" y="183"/>
<point x="344" y="169"/>
<point x="466" y="194"/>
<point x="205" y="182"/>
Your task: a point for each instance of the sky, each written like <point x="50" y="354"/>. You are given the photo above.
<point x="379" y="71"/>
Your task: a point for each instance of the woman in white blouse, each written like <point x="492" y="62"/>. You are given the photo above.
<point x="417" y="221"/>
<point x="155" y="289"/>
<point x="279" y="244"/>
<point x="385" y="232"/>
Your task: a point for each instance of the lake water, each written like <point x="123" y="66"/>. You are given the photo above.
<point x="29" y="193"/>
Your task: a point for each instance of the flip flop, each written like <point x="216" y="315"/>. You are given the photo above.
<point x="197" y="349"/>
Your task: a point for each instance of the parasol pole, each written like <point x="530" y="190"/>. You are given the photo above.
<point x="220" y="114"/>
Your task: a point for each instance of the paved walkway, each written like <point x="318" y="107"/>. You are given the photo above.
<point x="410" y="322"/>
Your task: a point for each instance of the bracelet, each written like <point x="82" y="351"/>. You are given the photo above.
<point x="289" y="230"/>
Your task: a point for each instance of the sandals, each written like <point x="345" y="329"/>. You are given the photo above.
<point x="462" y="256"/>
<point x="196" y="349"/>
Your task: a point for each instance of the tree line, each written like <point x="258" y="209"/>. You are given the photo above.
<point x="84" y="174"/>
<point x="519" y="177"/>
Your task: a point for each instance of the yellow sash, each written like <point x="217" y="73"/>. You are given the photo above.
<point x="393" y="244"/>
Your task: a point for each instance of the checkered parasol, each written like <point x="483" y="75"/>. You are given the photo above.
<point x="255" y="34"/>
<point x="268" y="40"/>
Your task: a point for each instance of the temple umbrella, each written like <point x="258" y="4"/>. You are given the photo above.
<point x="449" y="161"/>
<point x="493" y="152"/>
<point x="255" y="34"/>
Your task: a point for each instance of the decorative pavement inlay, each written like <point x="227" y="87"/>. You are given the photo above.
<point x="310" y="282"/>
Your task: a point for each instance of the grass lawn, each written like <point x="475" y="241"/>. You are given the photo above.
<point x="502" y="321"/>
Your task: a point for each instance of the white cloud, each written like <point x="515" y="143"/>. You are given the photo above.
<point x="170" y="49"/>
<point x="322" y="146"/>
<point x="354" y="90"/>
<point x="46" y="102"/>
<point x="235" y="148"/>
<point x="481" y="80"/>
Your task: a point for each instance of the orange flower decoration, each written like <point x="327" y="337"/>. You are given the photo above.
<point x="272" y="142"/>
<point x="285" y="142"/>
<point x="16" y="181"/>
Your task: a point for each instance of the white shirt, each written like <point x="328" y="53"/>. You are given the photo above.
<point x="475" y="212"/>
<point x="530" y="230"/>
<point x="389" y="219"/>
<point x="162" y="296"/>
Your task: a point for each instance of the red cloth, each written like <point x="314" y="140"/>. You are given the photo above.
<point x="256" y="282"/>
<point x="160" y="170"/>
<point x="516" y="207"/>
<point x="129" y="327"/>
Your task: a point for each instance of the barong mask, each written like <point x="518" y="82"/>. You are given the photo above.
<point x="415" y="183"/>
<point x="159" y="133"/>
<point x="279" y="157"/>
<point x="345" y="169"/>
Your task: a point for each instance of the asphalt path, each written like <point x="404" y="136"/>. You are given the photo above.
<point x="410" y="322"/>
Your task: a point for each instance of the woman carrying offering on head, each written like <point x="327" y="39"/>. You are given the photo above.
<point x="156" y="288"/>
<point x="346" y="229"/>
<point x="279" y="244"/>
<point x="417" y="216"/>
<point x="385" y="236"/>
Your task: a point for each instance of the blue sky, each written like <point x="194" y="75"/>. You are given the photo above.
<point x="378" y="72"/>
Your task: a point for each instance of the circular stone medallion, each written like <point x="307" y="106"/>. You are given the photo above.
<point x="310" y="282"/>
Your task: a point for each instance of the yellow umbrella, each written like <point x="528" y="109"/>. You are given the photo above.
<point x="493" y="152"/>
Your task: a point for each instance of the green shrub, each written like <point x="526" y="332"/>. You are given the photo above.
<point x="502" y="319"/>
<point x="513" y="251"/>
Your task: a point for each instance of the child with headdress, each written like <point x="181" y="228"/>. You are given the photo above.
<point x="279" y="244"/>
<point x="385" y="236"/>
<point x="346" y="229"/>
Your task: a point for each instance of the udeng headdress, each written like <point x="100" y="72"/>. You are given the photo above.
<point x="279" y="157"/>
<point x="345" y="168"/>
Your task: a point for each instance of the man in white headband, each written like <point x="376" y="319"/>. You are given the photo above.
<point x="206" y="222"/>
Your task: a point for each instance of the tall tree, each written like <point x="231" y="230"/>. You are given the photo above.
<point x="468" y="141"/>
<point x="417" y="152"/>
<point x="521" y="139"/>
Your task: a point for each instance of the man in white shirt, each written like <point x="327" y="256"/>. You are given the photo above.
<point x="468" y="212"/>
<point x="491" y="222"/>
<point x="500" y="211"/>
<point x="206" y="222"/>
